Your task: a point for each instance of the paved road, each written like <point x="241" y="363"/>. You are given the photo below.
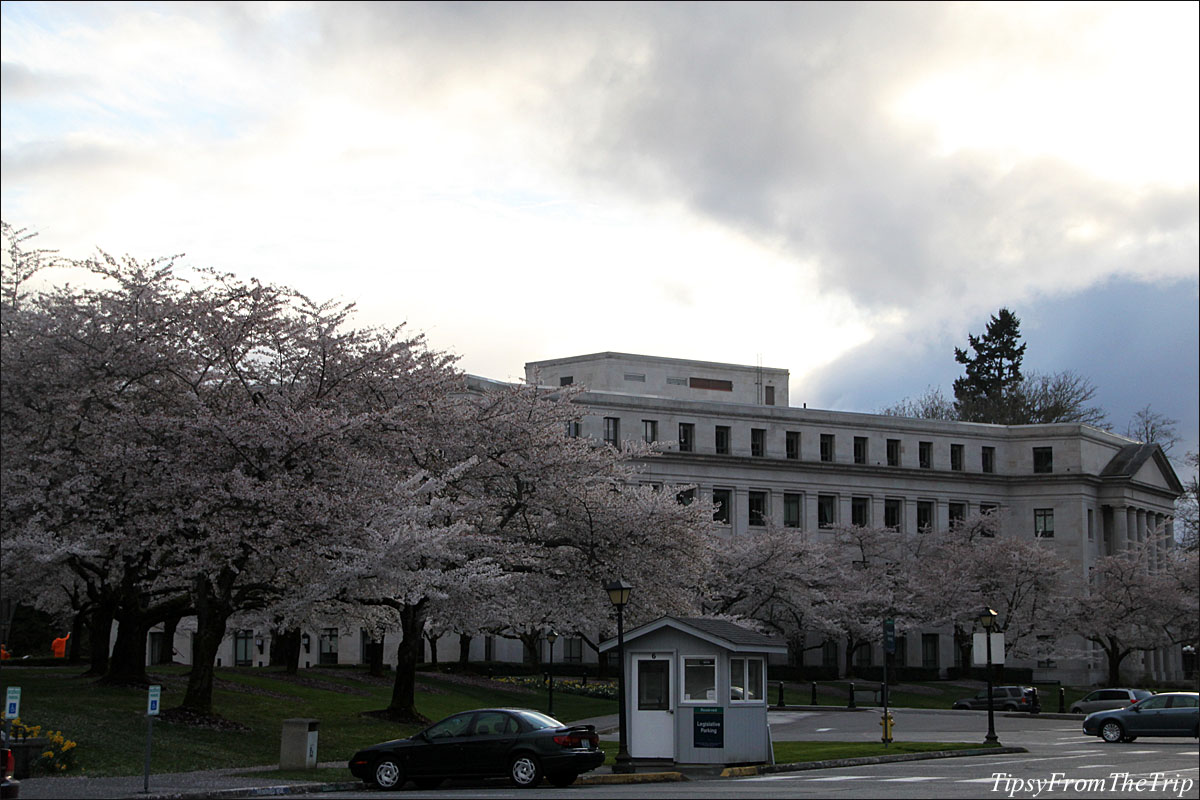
<point x="1061" y="758"/>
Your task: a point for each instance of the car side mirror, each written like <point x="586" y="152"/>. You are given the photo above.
<point x="1136" y="708"/>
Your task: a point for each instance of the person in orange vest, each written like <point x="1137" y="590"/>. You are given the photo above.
<point x="59" y="646"/>
<point x="4" y="654"/>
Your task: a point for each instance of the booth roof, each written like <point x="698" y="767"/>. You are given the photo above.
<point x="718" y="631"/>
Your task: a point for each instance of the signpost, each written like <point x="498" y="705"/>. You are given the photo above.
<point x="889" y="647"/>
<point x="152" y="705"/>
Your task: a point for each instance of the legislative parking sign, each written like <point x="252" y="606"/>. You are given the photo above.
<point x="152" y="700"/>
<point x="12" y="702"/>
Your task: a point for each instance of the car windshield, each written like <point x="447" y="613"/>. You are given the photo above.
<point x="539" y="720"/>
<point x="1142" y="694"/>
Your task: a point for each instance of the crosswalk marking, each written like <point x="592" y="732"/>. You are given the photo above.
<point x="914" y="779"/>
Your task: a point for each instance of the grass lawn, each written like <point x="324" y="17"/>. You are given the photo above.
<point x="109" y="723"/>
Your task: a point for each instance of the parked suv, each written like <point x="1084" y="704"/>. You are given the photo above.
<point x="1005" y="698"/>
<point x="1104" y="699"/>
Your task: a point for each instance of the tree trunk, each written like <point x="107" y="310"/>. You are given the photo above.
<point x="285" y="649"/>
<point x="100" y="623"/>
<point x="464" y="649"/>
<point x="1114" y="656"/>
<point x="79" y="626"/>
<point x="433" y="643"/>
<point x="851" y="646"/>
<point x="127" y="664"/>
<point x="212" y="616"/>
<point x="403" y="707"/>
<point x="532" y="657"/>
<point x="166" y="653"/>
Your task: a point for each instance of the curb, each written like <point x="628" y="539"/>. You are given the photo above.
<point x="632" y="777"/>
<point x="255" y="791"/>
<point x="740" y="772"/>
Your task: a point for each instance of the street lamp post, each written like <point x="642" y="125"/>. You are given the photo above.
<point x="618" y="594"/>
<point x="551" y="637"/>
<point x="987" y="618"/>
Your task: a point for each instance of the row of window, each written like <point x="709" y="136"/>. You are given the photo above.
<point x="758" y="511"/>
<point x="1043" y="457"/>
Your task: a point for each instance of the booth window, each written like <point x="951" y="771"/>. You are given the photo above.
<point x="745" y="680"/>
<point x="699" y="679"/>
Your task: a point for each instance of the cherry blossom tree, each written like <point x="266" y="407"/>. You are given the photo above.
<point x="781" y="578"/>
<point x="1138" y="600"/>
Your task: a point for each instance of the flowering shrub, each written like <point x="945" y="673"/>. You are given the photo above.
<point x="606" y="691"/>
<point x="59" y="755"/>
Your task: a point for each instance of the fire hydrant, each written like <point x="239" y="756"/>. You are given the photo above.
<point x="887" y="722"/>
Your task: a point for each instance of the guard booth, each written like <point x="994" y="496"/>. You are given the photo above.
<point x="697" y="691"/>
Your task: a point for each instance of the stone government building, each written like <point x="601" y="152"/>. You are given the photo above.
<point x="733" y="434"/>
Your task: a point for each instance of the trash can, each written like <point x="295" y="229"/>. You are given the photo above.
<point x="298" y="744"/>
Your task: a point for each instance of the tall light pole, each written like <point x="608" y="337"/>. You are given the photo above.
<point x="987" y="618"/>
<point x="618" y="595"/>
<point x="551" y="637"/>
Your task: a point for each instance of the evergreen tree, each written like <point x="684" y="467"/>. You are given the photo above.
<point x="990" y="389"/>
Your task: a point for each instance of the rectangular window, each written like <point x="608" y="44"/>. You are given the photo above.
<point x="328" y="646"/>
<point x="612" y="431"/>
<point x="827" y="447"/>
<point x="573" y="429"/>
<point x="687" y="437"/>
<point x="653" y="685"/>
<point x="862" y="655"/>
<point x="721" y="440"/>
<point x="758" y="442"/>
<point x="987" y="456"/>
<point x="1091" y="522"/>
<point x="769" y="395"/>
<point x="791" y="510"/>
<point x="650" y="430"/>
<point x="699" y="679"/>
<point x="1043" y="523"/>
<point x="929" y="650"/>
<point x="1045" y="644"/>
<point x="1043" y="459"/>
<point x="565" y="380"/>
<point x="957" y="512"/>
<point x="722" y="500"/>
<point x="860" y="511"/>
<point x="572" y="650"/>
<point x="956" y="457"/>
<point x="987" y="510"/>
<point x="893" y="513"/>
<point x="826" y="510"/>
<point x="758" y="509"/>
<point x="792" y="440"/>
<point x="893" y="452"/>
<point x="924" y="515"/>
<point x="634" y="377"/>
<point x="686" y="497"/>
<point x="745" y="680"/>
<point x="860" y="449"/>
<point x="243" y="649"/>
<point x="925" y="455"/>
<point x="711" y="383"/>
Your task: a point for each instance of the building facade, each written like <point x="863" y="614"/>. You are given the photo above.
<point x="729" y="430"/>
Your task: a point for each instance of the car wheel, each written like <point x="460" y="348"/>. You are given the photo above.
<point x="388" y="774"/>
<point x="1010" y="707"/>
<point x="525" y="771"/>
<point x="1112" y="731"/>
<point x="562" y="779"/>
<point x="1076" y="710"/>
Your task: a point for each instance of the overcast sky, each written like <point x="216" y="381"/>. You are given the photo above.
<point x="842" y="190"/>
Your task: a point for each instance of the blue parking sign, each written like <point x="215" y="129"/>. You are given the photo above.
<point x="152" y="700"/>
<point x="12" y="702"/>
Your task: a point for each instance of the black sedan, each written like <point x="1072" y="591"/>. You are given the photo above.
<point x="1166" y="714"/>
<point x="517" y="743"/>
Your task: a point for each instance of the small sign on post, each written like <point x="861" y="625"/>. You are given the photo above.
<point x="12" y="702"/>
<point x="979" y="649"/>
<point x="152" y="700"/>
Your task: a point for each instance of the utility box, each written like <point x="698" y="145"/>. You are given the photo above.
<point x="298" y="744"/>
<point x="696" y="691"/>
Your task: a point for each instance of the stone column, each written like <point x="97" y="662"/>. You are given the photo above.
<point x="1120" y="529"/>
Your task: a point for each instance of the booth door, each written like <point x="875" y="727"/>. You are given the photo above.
<point x="652" y="720"/>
